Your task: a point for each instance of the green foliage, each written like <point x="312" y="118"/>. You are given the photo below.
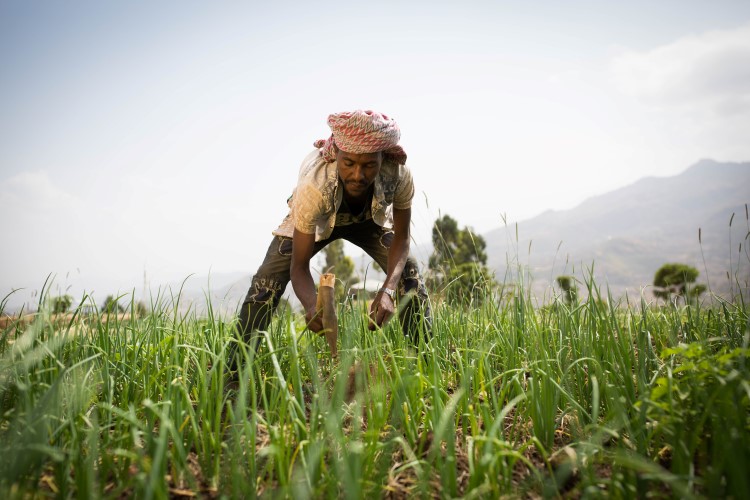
<point x="503" y="401"/>
<point x="284" y="307"/>
<point x="61" y="304"/>
<point x="705" y="393"/>
<point x="675" y="280"/>
<point x="140" y="309"/>
<point x="467" y="282"/>
<point x="111" y="305"/>
<point x="455" y="247"/>
<point x="569" y="288"/>
<point x="459" y="262"/>
<point x="444" y="241"/>
<point x="341" y="265"/>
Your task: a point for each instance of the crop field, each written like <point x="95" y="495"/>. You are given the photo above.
<point x="507" y="399"/>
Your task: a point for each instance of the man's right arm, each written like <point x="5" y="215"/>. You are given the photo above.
<point x="302" y="281"/>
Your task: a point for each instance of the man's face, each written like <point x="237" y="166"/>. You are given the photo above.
<point x="358" y="171"/>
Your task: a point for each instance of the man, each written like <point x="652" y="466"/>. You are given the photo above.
<point x="354" y="186"/>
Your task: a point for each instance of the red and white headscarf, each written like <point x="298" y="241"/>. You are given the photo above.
<point x="362" y="132"/>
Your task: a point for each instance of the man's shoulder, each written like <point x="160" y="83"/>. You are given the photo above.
<point x="316" y="186"/>
<point x="311" y="162"/>
<point x="315" y="170"/>
<point x="394" y="170"/>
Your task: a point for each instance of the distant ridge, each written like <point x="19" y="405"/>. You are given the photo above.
<point x="628" y="233"/>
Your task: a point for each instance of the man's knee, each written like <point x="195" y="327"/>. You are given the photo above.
<point x="416" y="317"/>
<point x="260" y="302"/>
<point x="411" y="281"/>
<point x="264" y="290"/>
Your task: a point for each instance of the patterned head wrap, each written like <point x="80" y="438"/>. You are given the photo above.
<point x="362" y="132"/>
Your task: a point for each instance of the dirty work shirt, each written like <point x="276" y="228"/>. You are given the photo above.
<point x="319" y="193"/>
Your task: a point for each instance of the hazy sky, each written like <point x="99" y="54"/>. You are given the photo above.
<point x="167" y="135"/>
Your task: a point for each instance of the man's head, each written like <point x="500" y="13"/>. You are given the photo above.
<point x="357" y="171"/>
<point x="362" y="132"/>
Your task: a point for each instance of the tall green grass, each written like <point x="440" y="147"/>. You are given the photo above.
<point x="506" y="399"/>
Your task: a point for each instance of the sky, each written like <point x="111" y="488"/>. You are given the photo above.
<point x="164" y="137"/>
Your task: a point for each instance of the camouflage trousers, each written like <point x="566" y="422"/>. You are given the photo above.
<point x="270" y="281"/>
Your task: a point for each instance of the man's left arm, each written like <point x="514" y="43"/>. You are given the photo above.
<point x="382" y="306"/>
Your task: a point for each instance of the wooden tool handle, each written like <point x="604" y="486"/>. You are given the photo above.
<point x="326" y="306"/>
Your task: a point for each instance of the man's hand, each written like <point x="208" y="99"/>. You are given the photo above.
<point x="314" y="320"/>
<point x="381" y="310"/>
<point x="382" y="307"/>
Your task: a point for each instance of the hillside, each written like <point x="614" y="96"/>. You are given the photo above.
<point x="627" y="234"/>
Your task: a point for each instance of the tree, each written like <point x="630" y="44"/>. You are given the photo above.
<point x="455" y="247"/>
<point x="675" y="280"/>
<point x="341" y="265"/>
<point x="140" y="309"/>
<point x="459" y="260"/>
<point x="570" y="289"/>
<point x="61" y="304"/>
<point x="111" y="305"/>
<point x="444" y="241"/>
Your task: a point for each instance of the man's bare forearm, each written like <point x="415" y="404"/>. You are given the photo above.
<point x="397" y="255"/>
<point x="304" y="286"/>
<point x="302" y="281"/>
<point x="399" y="251"/>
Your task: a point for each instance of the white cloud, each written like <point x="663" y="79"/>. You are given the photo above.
<point x="707" y="72"/>
<point x="50" y="231"/>
<point x="34" y="191"/>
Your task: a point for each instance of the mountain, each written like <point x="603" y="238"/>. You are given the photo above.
<point x="627" y="234"/>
